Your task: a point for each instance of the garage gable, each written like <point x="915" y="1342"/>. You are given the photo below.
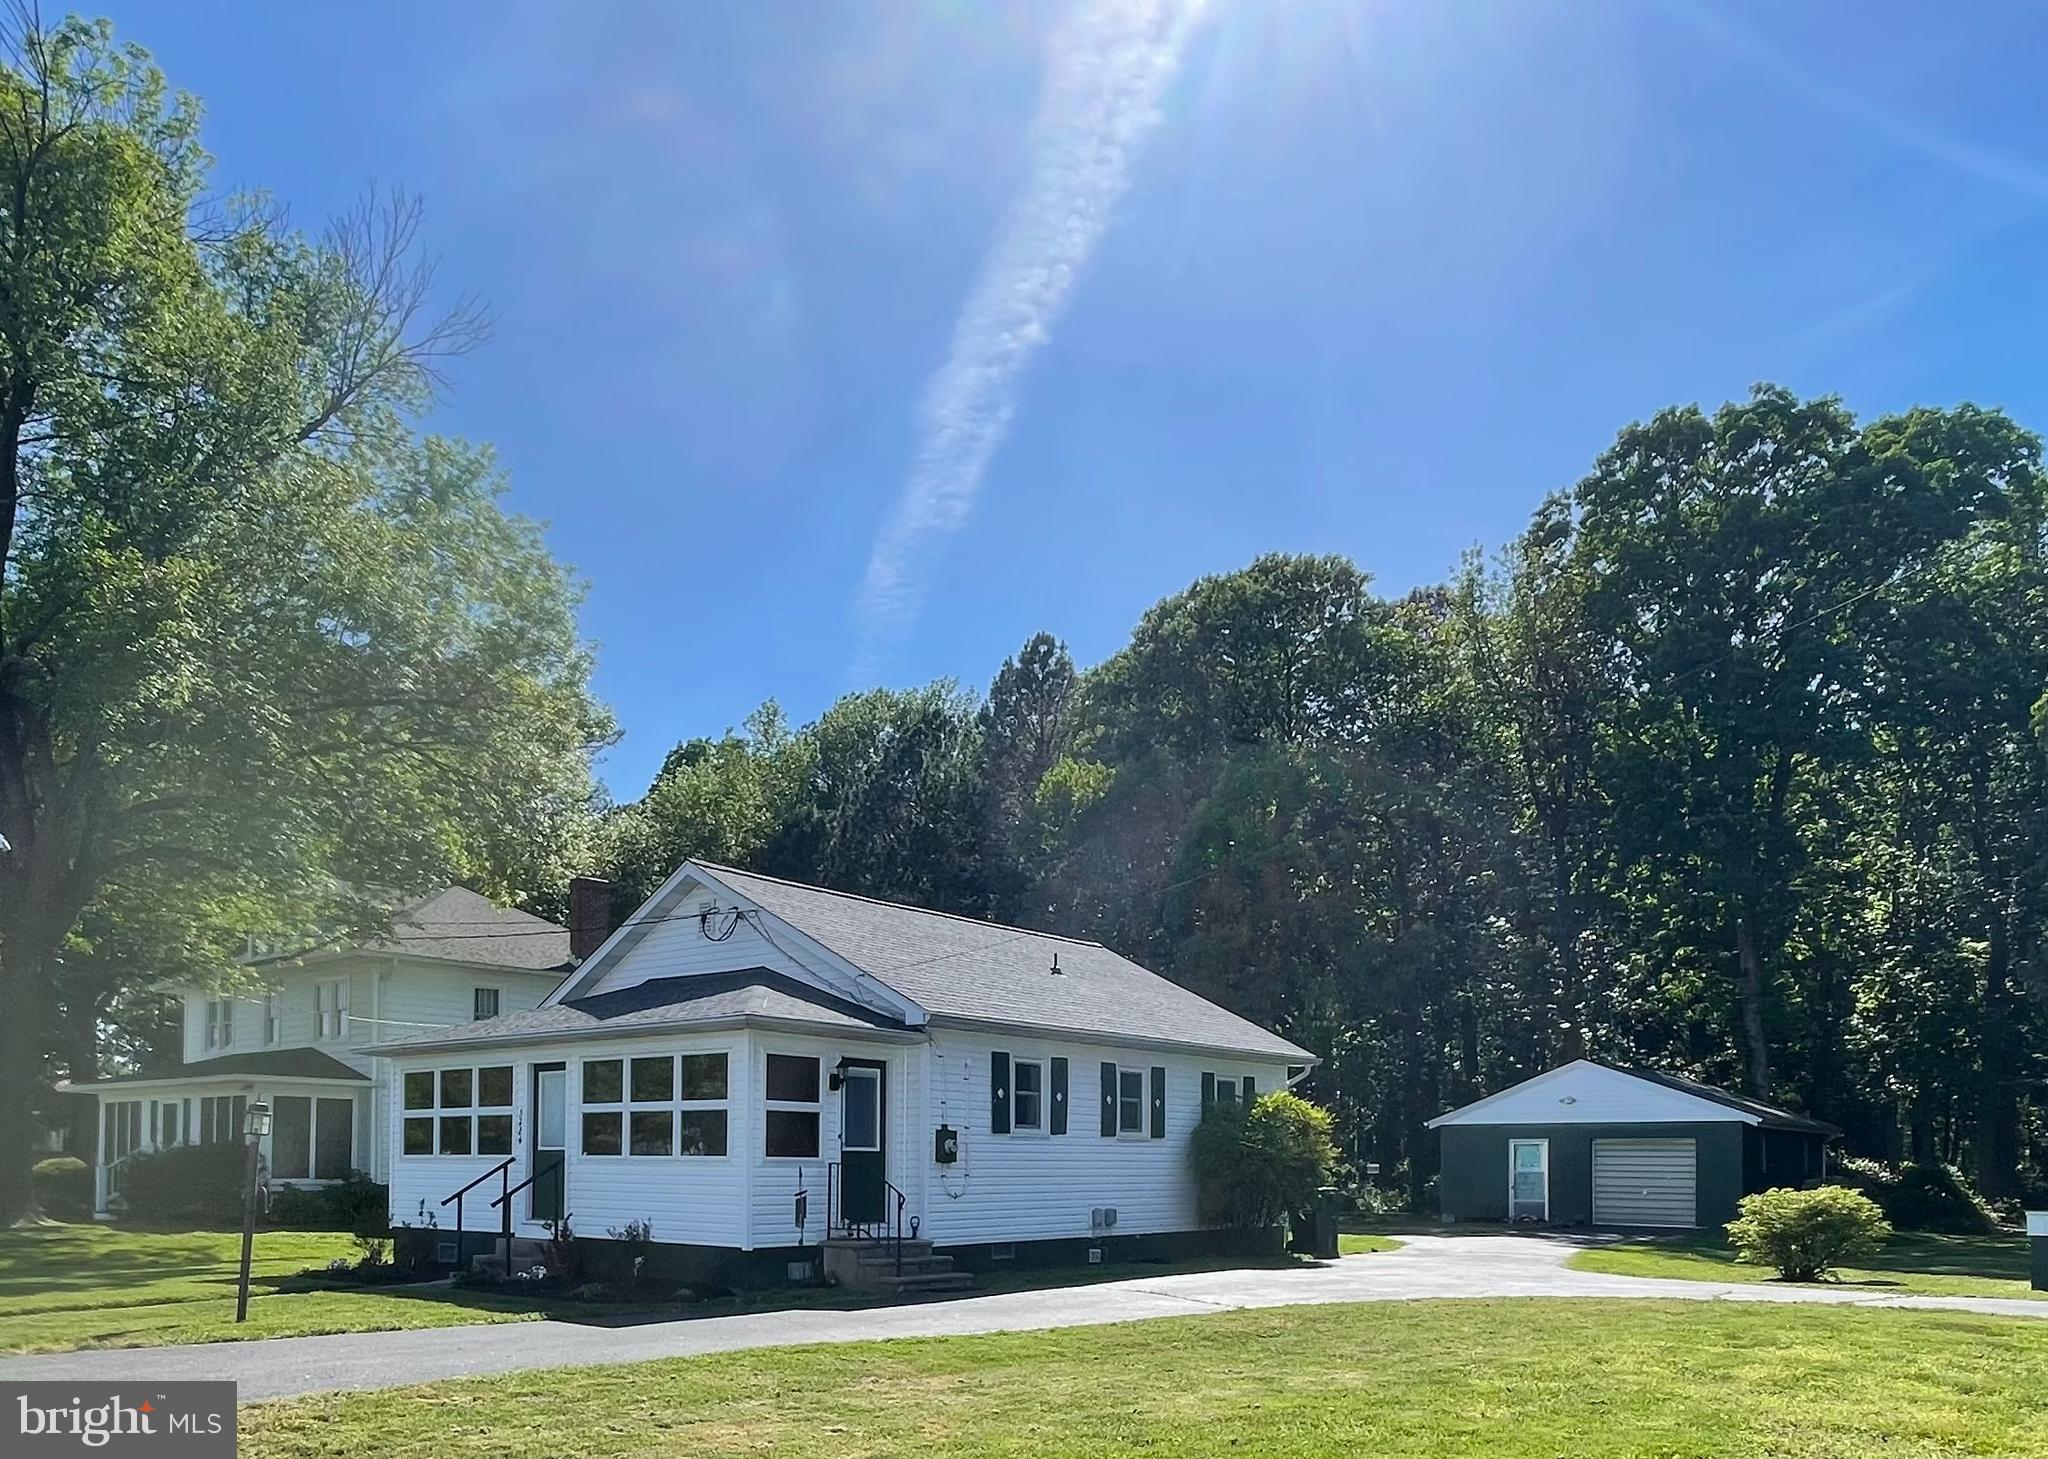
<point x="1585" y="1093"/>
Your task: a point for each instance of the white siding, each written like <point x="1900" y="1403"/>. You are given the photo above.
<point x="1585" y="1093"/>
<point x="676" y="947"/>
<point x="697" y="1200"/>
<point x="1029" y="1186"/>
<point x="773" y="1183"/>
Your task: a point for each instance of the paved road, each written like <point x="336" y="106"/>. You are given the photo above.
<point x="1426" y="1266"/>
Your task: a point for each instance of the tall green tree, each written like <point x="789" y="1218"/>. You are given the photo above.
<point x="251" y="624"/>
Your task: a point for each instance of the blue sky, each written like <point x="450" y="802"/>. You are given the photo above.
<point x="1347" y="277"/>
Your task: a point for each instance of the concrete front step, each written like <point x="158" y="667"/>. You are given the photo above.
<point x="872" y="1266"/>
<point x="923" y="1283"/>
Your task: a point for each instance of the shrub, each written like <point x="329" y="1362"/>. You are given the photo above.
<point x="357" y="1205"/>
<point x="1255" y="1164"/>
<point x="63" y="1186"/>
<point x="1806" y="1233"/>
<point x="193" y="1184"/>
<point x="1920" y="1197"/>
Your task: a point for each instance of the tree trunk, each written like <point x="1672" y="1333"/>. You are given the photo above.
<point x="23" y="970"/>
<point x="1996" y="1140"/>
<point x="1757" y="1047"/>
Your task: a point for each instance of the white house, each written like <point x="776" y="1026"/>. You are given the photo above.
<point x="749" y="1065"/>
<point x="451" y="958"/>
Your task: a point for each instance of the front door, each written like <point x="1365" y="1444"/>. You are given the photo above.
<point x="1528" y="1180"/>
<point x="549" y="1147"/>
<point x="863" y="1163"/>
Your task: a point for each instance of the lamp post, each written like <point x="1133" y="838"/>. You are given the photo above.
<point x="258" y="1126"/>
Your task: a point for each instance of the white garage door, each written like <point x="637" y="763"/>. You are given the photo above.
<point x="1645" y="1183"/>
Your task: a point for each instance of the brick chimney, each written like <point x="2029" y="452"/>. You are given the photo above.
<point x="590" y="915"/>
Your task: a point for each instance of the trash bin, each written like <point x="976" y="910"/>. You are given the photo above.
<point x="1322" y="1223"/>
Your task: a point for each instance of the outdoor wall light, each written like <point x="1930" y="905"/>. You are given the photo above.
<point x="259" y="1121"/>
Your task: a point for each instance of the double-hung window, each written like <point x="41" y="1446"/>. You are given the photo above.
<point x="483" y="1004"/>
<point x="458" y="1111"/>
<point x="1027" y="1095"/>
<point x="331" y="1001"/>
<point x="655" y="1104"/>
<point x="790" y="1109"/>
<point x="1130" y="1101"/>
<point x="220" y="1023"/>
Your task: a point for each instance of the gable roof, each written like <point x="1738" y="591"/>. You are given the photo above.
<point x="750" y="995"/>
<point x="1585" y="1092"/>
<point x="262" y="1063"/>
<point x="457" y="925"/>
<point x="961" y="970"/>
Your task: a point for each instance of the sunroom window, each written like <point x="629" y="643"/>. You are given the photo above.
<point x="655" y="1104"/>
<point x="462" y="1111"/>
<point x="790" y="1112"/>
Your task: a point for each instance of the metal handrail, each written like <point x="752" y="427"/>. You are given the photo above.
<point x="833" y="1175"/>
<point x="504" y="1202"/>
<point x="498" y="1169"/>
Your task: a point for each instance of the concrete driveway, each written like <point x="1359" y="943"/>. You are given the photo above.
<point x="1424" y="1267"/>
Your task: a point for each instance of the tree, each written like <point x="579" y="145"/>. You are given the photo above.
<point x="252" y="626"/>
<point x="1026" y="727"/>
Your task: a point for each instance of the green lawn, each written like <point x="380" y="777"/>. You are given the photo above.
<point x="66" y="1287"/>
<point x="1508" y="1380"/>
<point x="69" y="1287"/>
<point x="1919" y="1263"/>
<point x="1358" y="1243"/>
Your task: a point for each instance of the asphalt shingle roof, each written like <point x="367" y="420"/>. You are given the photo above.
<point x="1770" y="1114"/>
<point x="661" y="1003"/>
<point x="459" y="925"/>
<point x="956" y="967"/>
<point x="267" y="1063"/>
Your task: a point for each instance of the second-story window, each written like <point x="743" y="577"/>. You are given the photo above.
<point x="484" y="1004"/>
<point x="273" y="1017"/>
<point x="220" y="1023"/>
<point x="332" y="1003"/>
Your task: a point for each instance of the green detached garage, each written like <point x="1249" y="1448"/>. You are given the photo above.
<point x="1589" y="1145"/>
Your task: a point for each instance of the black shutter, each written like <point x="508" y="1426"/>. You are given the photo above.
<point x="999" y="1094"/>
<point x="1059" y="1095"/>
<point x="1251" y="1089"/>
<point x="1158" y="1102"/>
<point x="1208" y="1094"/>
<point x="1109" y="1099"/>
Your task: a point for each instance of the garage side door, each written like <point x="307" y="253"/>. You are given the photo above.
<point x="1645" y="1183"/>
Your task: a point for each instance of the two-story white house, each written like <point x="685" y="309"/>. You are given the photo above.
<point x="295" y="1044"/>
<point x="754" y="1066"/>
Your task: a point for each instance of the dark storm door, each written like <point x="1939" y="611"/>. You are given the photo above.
<point x="548" y="1147"/>
<point x="863" y="1161"/>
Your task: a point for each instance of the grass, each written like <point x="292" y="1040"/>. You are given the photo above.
<point x="69" y="1287"/>
<point x="64" y="1288"/>
<point x="1913" y="1263"/>
<point x="1359" y="1243"/>
<point x="1514" y="1379"/>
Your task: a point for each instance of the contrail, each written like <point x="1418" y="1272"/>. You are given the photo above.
<point x="1108" y="64"/>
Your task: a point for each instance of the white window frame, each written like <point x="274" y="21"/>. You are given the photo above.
<point x="330" y="1002"/>
<point x="793" y="1106"/>
<point x="626" y="1106"/>
<point x="475" y="1110"/>
<point x="220" y="1023"/>
<point x="1044" y="1095"/>
<point x="497" y="1002"/>
<point x="1228" y="1090"/>
<point x="1143" y="1074"/>
<point x="1543" y="1145"/>
<point x="273" y="1017"/>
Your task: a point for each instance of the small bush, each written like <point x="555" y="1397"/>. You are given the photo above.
<point x="1255" y="1164"/>
<point x="191" y="1185"/>
<point x="63" y="1186"/>
<point x="357" y="1205"/>
<point x="1804" y="1234"/>
<point x="1920" y="1197"/>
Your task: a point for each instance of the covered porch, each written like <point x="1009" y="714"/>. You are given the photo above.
<point x="321" y="1124"/>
